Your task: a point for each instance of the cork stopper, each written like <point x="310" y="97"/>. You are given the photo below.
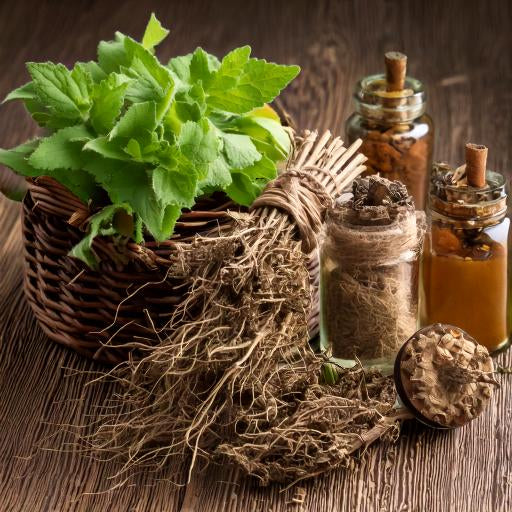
<point x="476" y="165"/>
<point x="396" y="67"/>
<point x="444" y="376"/>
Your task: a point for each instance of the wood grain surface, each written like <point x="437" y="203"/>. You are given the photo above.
<point x="462" y="51"/>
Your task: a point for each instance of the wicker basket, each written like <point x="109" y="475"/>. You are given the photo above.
<point x="132" y="294"/>
<point x="95" y="313"/>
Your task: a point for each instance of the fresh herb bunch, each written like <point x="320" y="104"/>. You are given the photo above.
<point x="154" y="137"/>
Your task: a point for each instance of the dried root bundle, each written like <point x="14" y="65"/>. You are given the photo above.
<point x="233" y="375"/>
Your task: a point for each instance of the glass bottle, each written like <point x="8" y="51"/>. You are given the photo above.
<point x="397" y="134"/>
<point x="465" y="263"/>
<point x="369" y="273"/>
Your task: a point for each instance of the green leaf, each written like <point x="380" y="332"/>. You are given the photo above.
<point x="269" y="137"/>
<point x="79" y="182"/>
<point x="108" y="100"/>
<point x="153" y="137"/>
<point x="132" y="183"/>
<point x="65" y="93"/>
<point x="263" y="169"/>
<point x="108" y="149"/>
<point x="137" y="123"/>
<point x="173" y="186"/>
<point x="243" y="190"/>
<point x="133" y="149"/>
<point x="112" y="54"/>
<point x="180" y="66"/>
<point x="276" y="134"/>
<point x="202" y="67"/>
<point x="100" y="224"/>
<point x="269" y="78"/>
<point x="199" y="142"/>
<point x="94" y="69"/>
<point x="239" y="150"/>
<point x="60" y="151"/>
<point x="231" y="68"/>
<point x="217" y="178"/>
<point x="17" y="158"/>
<point x="153" y="82"/>
<point x="25" y="92"/>
<point x="238" y="99"/>
<point x="243" y="84"/>
<point x="154" y="33"/>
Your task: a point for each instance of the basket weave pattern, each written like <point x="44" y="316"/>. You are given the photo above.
<point x="95" y="313"/>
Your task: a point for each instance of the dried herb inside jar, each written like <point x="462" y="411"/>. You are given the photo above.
<point x="397" y="134"/>
<point x="369" y="273"/>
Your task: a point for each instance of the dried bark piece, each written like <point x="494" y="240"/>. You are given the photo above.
<point x="444" y="376"/>
<point x="476" y="165"/>
<point x="396" y="66"/>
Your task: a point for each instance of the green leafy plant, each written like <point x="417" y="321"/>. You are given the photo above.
<point x="154" y="137"/>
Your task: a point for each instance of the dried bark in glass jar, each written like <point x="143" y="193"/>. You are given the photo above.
<point x="369" y="273"/>
<point x="466" y="261"/>
<point x="397" y="135"/>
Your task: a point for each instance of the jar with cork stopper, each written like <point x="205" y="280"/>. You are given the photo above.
<point x="465" y="266"/>
<point x="397" y="134"/>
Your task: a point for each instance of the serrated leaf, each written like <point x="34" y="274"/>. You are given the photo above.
<point x="199" y="142"/>
<point x="243" y="190"/>
<point x="268" y="135"/>
<point x="100" y="224"/>
<point x="262" y="169"/>
<point x="137" y="123"/>
<point x="59" y="151"/>
<point x="108" y="100"/>
<point x="131" y="183"/>
<point x="218" y="177"/>
<point x="239" y="150"/>
<point x="180" y="66"/>
<point x="239" y="99"/>
<point x="269" y="78"/>
<point x="64" y="93"/>
<point x="94" y="69"/>
<point x="201" y="68"/>
<point x="112" y="54"/>
<point x="153" y="82"/>
<point x="154" y="33"/>
<point x="79" y="182"/>
<point x="173" y="186"/>
<point x="25" y="92"/>
<point x="107" y="148"/>
<point x="17" y="158"/>
<point x="231" y="68"/>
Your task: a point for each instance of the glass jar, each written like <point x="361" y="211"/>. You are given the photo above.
<point x="397" y="135"/>
<point x="369" y="272"/>
<point x="465" y="264"/>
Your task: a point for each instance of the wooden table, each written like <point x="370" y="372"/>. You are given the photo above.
<point x="461" y="50"/>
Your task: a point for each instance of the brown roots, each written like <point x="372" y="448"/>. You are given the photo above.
<point x="233" y="376"/>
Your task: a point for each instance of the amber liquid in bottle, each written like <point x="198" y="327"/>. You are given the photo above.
<point x="465" y="281"/>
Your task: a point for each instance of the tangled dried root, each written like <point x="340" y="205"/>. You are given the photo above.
<point x="233" y="375"/>
<point x="317" y="431"/>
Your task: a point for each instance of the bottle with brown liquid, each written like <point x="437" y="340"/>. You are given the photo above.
<point x="465" y="261"/>
<point x="397" y="134"/>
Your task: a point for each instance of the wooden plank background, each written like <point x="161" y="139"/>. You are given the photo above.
<point x="462" y="50"/>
